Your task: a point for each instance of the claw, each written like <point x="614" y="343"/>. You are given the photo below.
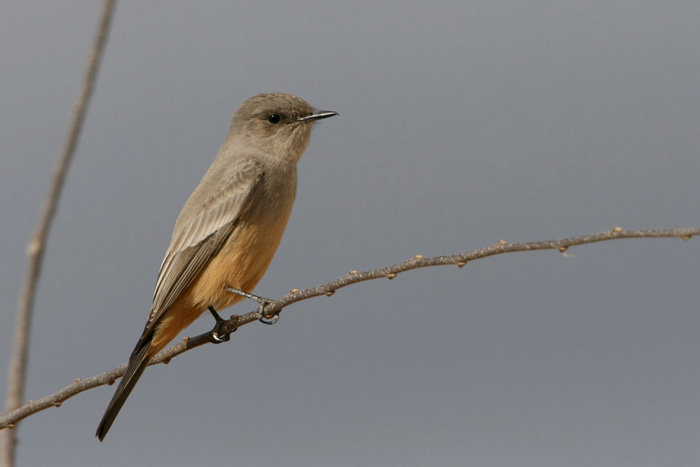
<point x="267" y="320"/>
<point x="262" y="301"/>
<point x="217" y="335"/>
<point x="217" y="338"/>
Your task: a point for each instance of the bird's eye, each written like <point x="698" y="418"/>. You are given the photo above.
<point x="274" y="118"/>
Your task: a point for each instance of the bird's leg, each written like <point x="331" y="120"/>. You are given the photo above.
<point x="219" y="335"/>
<point x="261" y="301"/>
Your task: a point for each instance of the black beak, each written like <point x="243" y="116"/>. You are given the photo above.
<point x="318" y="115"/>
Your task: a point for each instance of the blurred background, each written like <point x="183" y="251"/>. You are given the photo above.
<point x="461" y="123"/>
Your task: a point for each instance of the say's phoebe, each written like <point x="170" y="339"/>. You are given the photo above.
<point x="229" y="228"/>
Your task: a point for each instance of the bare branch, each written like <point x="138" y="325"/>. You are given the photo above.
<point x="35" y="250"/>
<point x="353" y="277"/>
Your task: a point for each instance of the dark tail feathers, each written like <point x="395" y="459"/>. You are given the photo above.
<point x="137" y="364"/>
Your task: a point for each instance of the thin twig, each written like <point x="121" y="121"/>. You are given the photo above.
<point x="18" y="363"/>
<point x="353" y="277"/>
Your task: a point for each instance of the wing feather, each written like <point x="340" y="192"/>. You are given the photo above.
<point x="206" y="221"/>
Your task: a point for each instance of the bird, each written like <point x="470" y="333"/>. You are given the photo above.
<point x="228" y="230"/>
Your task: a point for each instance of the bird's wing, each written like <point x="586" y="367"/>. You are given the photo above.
<point x="198" y="239"/>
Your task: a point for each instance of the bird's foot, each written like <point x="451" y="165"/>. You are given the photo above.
<point x="263" y="302"/>
<point x="220" y="333"/>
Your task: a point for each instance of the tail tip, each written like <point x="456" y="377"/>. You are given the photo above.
<point x="101" y="431"/>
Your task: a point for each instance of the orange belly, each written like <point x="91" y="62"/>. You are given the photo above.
<point x="240" y="264"/>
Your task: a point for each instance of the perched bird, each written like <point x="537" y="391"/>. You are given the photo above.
<point x="229" y="228"/>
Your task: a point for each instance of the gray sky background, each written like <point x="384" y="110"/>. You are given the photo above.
<point x="461" y="123"/>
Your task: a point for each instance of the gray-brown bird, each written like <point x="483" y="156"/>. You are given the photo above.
<point x="229" y="228"/>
